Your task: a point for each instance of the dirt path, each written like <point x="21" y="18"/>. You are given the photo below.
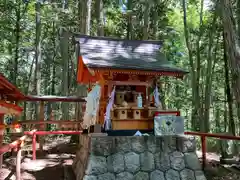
<point x="214" y="171"/>
<point x="54" y="164"/>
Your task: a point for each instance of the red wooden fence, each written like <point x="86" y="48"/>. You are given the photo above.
<point x="204" y="143"/>
<point x="15" y="145"/>
<point x="42" y="133"/>
<point x="19" y="143"/>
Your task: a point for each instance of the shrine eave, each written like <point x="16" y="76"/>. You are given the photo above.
<point x="79" y="37"/>
<point x="6" y="108"/>
<point x="8" y="90"/>
<point x="141" y="71"/>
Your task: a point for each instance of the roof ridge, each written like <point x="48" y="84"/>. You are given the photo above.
<point x="78" y="36"/>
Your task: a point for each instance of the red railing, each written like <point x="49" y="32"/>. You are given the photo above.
<point x="49" y="122"/>
<point x="42" y="133"/>
<point x="15" y="145"/>
<point x="203" y="137"/>
<point x="18" y="144"/>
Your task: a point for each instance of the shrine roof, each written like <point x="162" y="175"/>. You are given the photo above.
<point x="8" y="90"/>
<point x="105" y="52"/>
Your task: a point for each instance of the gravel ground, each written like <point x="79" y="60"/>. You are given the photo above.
<point x="220" y="173"/>
<point x="215" y="171"/>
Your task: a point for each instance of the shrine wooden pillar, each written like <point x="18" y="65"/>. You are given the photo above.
<point x="149" y="80"/>
<point x="102" y="102"/>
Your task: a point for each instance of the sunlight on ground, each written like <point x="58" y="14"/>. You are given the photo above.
<point x="210" y="156"/>
<point x="39" y="165"/>
<point x="6" y="174"/>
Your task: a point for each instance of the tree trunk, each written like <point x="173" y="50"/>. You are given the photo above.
<point x="27" y="88"/>
<point x="197" y="98"/>
<point x="238" y="20"/>
<point x="193" y="75"/>
<point x="146" y="20"/>
<point x="210" y="69"/>
<point x="177" y="93"/>
<point x="37" y="73"/>
<point x="81" y="89"/>
<point x="81" y="15"/>
<point x="232" y="46"/>
<point x="155" y="20"/>
<point x="238" y="115"/>
<point x="229" y="94"/>
<point x="64" y="45"/>
<point x="129" y="25"/>
<point x="224" y="144"/>
<point x="17" y="26"/>
<point x="100" y="18"/>
<point x="52" y="105"/>
<point x="88" y="18"/>
<point x="238" y="25"/>
<point x="221" y="143"/>
<point x="155" y="37"/>
<point x="64" y="38"/>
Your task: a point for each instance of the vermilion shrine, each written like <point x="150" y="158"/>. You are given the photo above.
<point x="121" y="74"/>
<point x="130" y="67"/>
<point x="123" y="100"/>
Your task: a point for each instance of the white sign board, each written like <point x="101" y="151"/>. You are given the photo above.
<point x="165" y="125"/>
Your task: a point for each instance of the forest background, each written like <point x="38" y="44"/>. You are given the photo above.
<point x="37" y="51"/>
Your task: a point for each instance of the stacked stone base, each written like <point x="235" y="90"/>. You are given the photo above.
<point x="137" y="158"/>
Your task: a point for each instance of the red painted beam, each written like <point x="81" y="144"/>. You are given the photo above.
<point x="214" y="135"/>
<point x="49" y="122"/>
<point x="130" y="83"/>
<point x="55" y="98"/>
<point x="167" y="112"/>
<point x="51" y="132"/>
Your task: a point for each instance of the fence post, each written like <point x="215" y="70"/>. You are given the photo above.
<point x="203" y="141"/>
<point x="41" y="126"/>
<point x="18" y="162"/>
<point x="34" y="146"/>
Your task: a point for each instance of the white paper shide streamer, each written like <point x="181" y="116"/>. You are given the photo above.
<point x="156" y="97"/>
<point x="92" y="106"/>
<point x="107" y="118"/>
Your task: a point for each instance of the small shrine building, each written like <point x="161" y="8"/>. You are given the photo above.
<point x="130" y="67"/>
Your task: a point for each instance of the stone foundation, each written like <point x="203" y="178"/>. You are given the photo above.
<point x="137" y="158"/>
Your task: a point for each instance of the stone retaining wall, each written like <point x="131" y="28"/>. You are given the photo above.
<point x="137" y="158"/>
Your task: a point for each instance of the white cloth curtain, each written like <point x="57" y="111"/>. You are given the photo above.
<point x="107" y="118"/>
